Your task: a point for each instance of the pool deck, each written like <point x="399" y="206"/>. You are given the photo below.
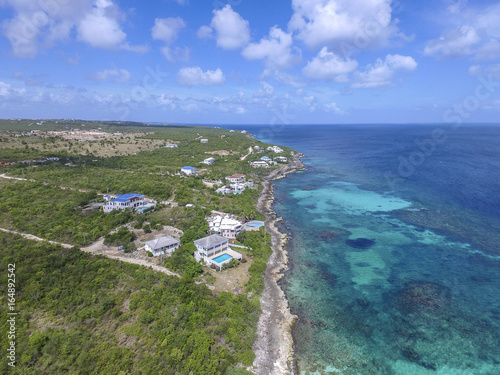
<point x="230" y="252"/>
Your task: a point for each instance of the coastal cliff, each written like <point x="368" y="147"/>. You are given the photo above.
<point x="274" y="344"/>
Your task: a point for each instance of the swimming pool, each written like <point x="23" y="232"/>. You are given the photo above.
<point x="222" y="258"/>
<point x="255" y="224"/>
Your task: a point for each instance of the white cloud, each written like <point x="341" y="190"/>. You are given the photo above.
<point x="167" y="29"/>
<point x="265" y="91"/>
<point x="453" y="43"/>
<point x="485" y="71"/>
<point x="116" y="75"/>
<point x="329" y="66"/>
<point x="276" y="49"/>
<point x="196" y="76"/>
<point x="232" y="31"/>
<point x="343" y="24"/>
<point x="4" y="89"/>
<point x="100" y="28"/>
<point x="332" y="107"/>
<point x="488" y="51"/>
<point x="383" y="72"/>
<point x="39" y="25"/>
<point x="205" y="32"/>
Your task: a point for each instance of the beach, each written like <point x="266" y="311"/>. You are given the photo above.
<point x="274" y="344"/>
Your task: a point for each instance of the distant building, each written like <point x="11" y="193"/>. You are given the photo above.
<point x="125" y="201"/>
<point x="172" y="145"/>
<point x="281" y="159"/>
<point x="190" y="171"/>
<point x="259" y="164"/>
<point x="265" y="158"/>
<point x="203" y="140"/>
<point x="224" y="225"/>
<point x="275" y="149"/>
<point x="214" y="250"/>
<point x="209" y="161"/>
<point x="162" y="245"/>
<point x="236" y="178"/>
<point x="224" y="190"/>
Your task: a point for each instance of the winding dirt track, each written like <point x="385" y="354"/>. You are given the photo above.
<point x="97" y="248"/>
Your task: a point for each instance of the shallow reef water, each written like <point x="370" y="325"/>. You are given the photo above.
<point x="391" y="274"/>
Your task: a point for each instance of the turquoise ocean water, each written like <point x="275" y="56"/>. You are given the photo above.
<point x="395" y="250"/>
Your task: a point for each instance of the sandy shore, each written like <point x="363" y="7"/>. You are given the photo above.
<point x="274" y="344"/>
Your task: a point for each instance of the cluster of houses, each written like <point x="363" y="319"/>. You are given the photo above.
<point x="237" y="185"/>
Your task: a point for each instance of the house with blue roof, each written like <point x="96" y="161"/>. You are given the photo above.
<point x="190" y="171"/>
<point x="265" y="158"/>
<point x="125" y="201"/>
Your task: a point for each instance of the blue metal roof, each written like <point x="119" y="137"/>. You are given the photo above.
<point x="188" y="167"/>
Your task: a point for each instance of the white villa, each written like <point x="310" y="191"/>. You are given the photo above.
<point x="215" y="250"/>
<point x="257" y="164"/>
<point x="208" y="161"/>
<point x="172" y="145"/>
<point x="127" y="201"/>
<point x="225" y="225"/>
<point x="162" y="245"/>
<point x="281" y="159"/>
<point x="275" y="149"/>
<point x="224" y="190"/>
<point x="203" y="140"/>
<point x="190" y="171"/>
<point x="235" y="178"/>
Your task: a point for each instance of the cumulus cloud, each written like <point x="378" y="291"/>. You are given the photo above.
<point x="332" y="107"/>
<point x="167" y="30"/>
<point x="453" y="43"/>
<point x="265" y="91"/>
<point x="196" y="76"/>
<point x="329" y="66"/>
<point x="205" y="32"/>
<point x="276" y="49"/>
<point x="115" y="75"/>
<point x="38" y="25"/>
<point x="343" y="24"/>
<point x="383" y="72"/>
<point x="232" y="31"/>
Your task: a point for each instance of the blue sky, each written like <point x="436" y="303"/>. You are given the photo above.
<point x="246" y="62"/>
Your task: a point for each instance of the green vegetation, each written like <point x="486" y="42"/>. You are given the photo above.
<point x="91" y="315"/>
<point x="80" y="314"/>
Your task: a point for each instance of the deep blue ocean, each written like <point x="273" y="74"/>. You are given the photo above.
<point x="395" y="250"/>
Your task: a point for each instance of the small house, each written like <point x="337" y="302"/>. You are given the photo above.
<point x="265" y="158"/>
<point x="209" y="161"/>
<point x="189" y="171"/>
<point x="203" y="140"/>
<point x="172" y="145"/>
<point x="125" y="201"/>
<point x="236" y="178"/>
<point x="162" y="245"/>
<point x="258" y="164"/>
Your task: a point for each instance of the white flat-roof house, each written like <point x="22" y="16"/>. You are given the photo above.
<point x="125" y="201"/>
<point x="203" y="140"/>
<point x="162" y="245"/>
<point x="209" y="161"/>
<point x="215" y="250"/>
<point x="224" y="190"/>
<point x="190" y="171"/>
<point x="235" y="178"/>
<point x="275" y="149"/>
<point x="172" y="145"/>
<point x="257" y="164"/>
<point x="224" y="225"/>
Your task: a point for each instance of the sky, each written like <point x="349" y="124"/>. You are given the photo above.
<point x="251" y="62"/>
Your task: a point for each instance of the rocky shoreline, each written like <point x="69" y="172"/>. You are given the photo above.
<point x="274" y="344"/>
